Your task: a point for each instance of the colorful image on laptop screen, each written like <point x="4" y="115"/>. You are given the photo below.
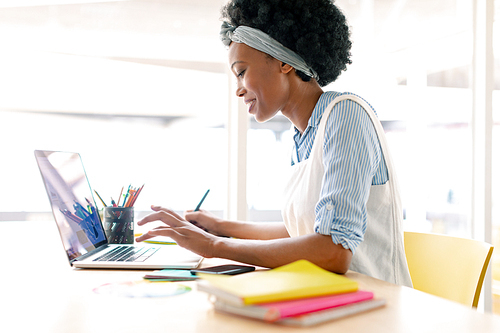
<point x="72" y="202"/>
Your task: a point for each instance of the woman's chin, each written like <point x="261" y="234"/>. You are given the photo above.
<point x="262" y="118"/>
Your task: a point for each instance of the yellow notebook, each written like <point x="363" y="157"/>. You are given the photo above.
<point x="299" y="279"/>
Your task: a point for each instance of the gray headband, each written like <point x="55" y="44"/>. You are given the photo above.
<point x="263" y="42"/>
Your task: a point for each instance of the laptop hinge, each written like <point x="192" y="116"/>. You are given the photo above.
<point x="90" y="253"/>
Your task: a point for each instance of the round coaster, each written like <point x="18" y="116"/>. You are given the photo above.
<point x="142" y="289"/>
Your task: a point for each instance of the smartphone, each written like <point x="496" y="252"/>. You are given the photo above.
<point x="224" y="269"/>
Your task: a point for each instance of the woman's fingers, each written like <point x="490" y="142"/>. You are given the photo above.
<point x="159" y="231"/>
<point x="191" y="215"/>
<point x="166" y="210"/>
<point x="163" y="216"/>
<point x="185" y="234"/>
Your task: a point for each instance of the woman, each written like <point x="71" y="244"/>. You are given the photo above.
<point x="342" y="206"/>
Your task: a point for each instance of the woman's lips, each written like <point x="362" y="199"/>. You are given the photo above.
<point x="250" y="104"/>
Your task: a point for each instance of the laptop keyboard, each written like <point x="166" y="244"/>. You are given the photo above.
<point x="128" y="253"/>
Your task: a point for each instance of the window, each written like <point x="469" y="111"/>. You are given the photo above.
<point x="138" y="88"/>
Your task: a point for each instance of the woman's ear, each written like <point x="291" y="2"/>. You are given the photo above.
<point x="285" y="68"/>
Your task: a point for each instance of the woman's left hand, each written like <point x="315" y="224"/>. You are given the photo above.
<point x="183" y="232"/>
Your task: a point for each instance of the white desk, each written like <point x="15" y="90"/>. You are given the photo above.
<point x="40" y="292"/>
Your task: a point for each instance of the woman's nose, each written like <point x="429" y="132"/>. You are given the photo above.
<point x="240" y="90"/>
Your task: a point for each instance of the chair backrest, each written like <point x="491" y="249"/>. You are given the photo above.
<point x="446" y="266"/>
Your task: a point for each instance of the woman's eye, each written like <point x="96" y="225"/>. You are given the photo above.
<point x="240" y="74"/>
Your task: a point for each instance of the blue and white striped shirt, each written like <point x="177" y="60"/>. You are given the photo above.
<point x="352" y="160"/>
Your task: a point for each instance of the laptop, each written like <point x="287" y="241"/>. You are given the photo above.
<point x="86" y="244"/>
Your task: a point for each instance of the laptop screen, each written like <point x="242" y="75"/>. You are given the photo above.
<point x="72" y="202"/>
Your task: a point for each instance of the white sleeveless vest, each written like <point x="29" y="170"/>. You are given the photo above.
<point x="381" y="253"/>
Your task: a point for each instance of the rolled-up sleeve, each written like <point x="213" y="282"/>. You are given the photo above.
<point x="351" y="159"/>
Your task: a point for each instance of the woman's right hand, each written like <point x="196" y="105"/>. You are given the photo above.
<point x="205" y="220"/>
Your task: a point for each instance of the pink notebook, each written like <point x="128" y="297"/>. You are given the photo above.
<point x="278" y="310"/>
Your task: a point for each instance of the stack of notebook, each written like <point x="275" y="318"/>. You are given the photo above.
<point x="298" y="294"/>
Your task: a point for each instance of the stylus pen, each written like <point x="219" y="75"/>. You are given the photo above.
<point x="201" y="201"/>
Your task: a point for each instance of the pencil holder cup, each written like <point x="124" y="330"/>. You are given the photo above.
<point x="119" y="224"/>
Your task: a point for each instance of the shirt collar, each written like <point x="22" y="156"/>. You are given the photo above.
<point x="318" y="110"/>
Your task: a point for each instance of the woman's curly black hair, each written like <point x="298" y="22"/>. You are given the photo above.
<point x="314" y="29"/>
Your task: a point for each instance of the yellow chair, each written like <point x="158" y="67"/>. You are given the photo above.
<point x="447" y="266"/>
